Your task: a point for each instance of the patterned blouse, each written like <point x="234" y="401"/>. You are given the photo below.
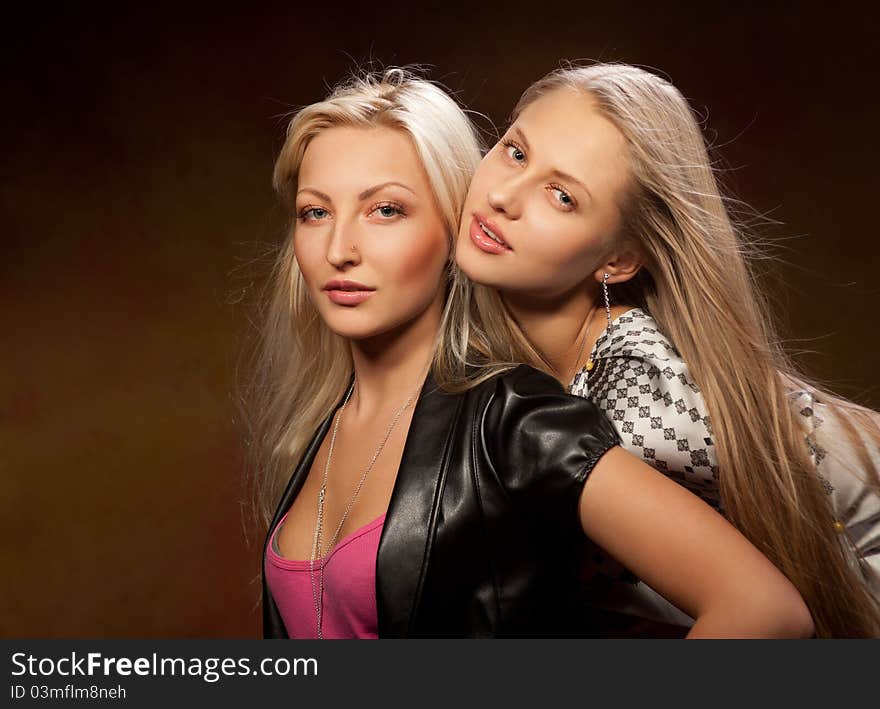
<point x="645" y="388"/>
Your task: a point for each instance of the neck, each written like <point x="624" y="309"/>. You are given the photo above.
<point x="388" y="368"/>
<point x="558" y="326"/>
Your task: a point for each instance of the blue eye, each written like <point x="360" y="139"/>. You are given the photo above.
<point x="562" y="197"/>
<point x="314" y="213"/>
<point x="514" y="152"/>
<point x="388" y="210"/>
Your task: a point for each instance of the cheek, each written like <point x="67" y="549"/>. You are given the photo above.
<point x="562" y="251"/>
<point x="415" y="262"/>
<point x="308" y="253"/>
<point x="476" y="201"/>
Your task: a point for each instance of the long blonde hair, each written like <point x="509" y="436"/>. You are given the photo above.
<point x="698" y="286"/>
<point x="301" y="368"/>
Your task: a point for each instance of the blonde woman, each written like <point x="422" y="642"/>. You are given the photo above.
<point x="395" y="508"/>
<point x="608" y="259"/>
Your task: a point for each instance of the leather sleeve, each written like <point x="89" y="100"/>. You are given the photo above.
<point x="542" y="443"/>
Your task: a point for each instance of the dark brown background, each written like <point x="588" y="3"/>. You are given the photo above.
<point x="136" y="202"/>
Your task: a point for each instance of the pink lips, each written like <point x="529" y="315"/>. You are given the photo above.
<point x="344" y="292"/>
<point x="482" y="240"/>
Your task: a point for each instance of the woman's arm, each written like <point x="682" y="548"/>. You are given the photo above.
<point x="688" y="553"/>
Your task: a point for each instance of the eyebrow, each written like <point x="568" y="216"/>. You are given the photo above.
<point x="317" y="193"/>
<point x="555" y="172"/>
<point x="522" y="137"/>
<point x="373" y="190"/>
<point x="366" y="194"/>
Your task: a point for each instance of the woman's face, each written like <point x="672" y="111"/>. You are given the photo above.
<point x="369" y="238"/>
<point x="549" y="191"/>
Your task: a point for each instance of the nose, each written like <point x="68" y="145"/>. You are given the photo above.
<point x="504" y="198"/>
<point x="342" y="246"/>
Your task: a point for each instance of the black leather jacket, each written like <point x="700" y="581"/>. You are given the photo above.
<point x="482" y="533"/>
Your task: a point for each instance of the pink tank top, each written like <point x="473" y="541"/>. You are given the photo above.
<point x="349" y="586"/>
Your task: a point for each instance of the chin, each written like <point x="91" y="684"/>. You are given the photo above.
<point x="354" y="330"/>
<point x="469" y="262"/>
<point x="364" y="326"/>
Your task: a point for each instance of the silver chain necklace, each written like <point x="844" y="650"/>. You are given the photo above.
<point x="318" y="589"/>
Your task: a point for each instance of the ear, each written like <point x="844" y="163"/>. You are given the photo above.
<point x="621" y="265"/>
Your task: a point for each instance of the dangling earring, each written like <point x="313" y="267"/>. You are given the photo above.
<point x="605" y="278"/>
